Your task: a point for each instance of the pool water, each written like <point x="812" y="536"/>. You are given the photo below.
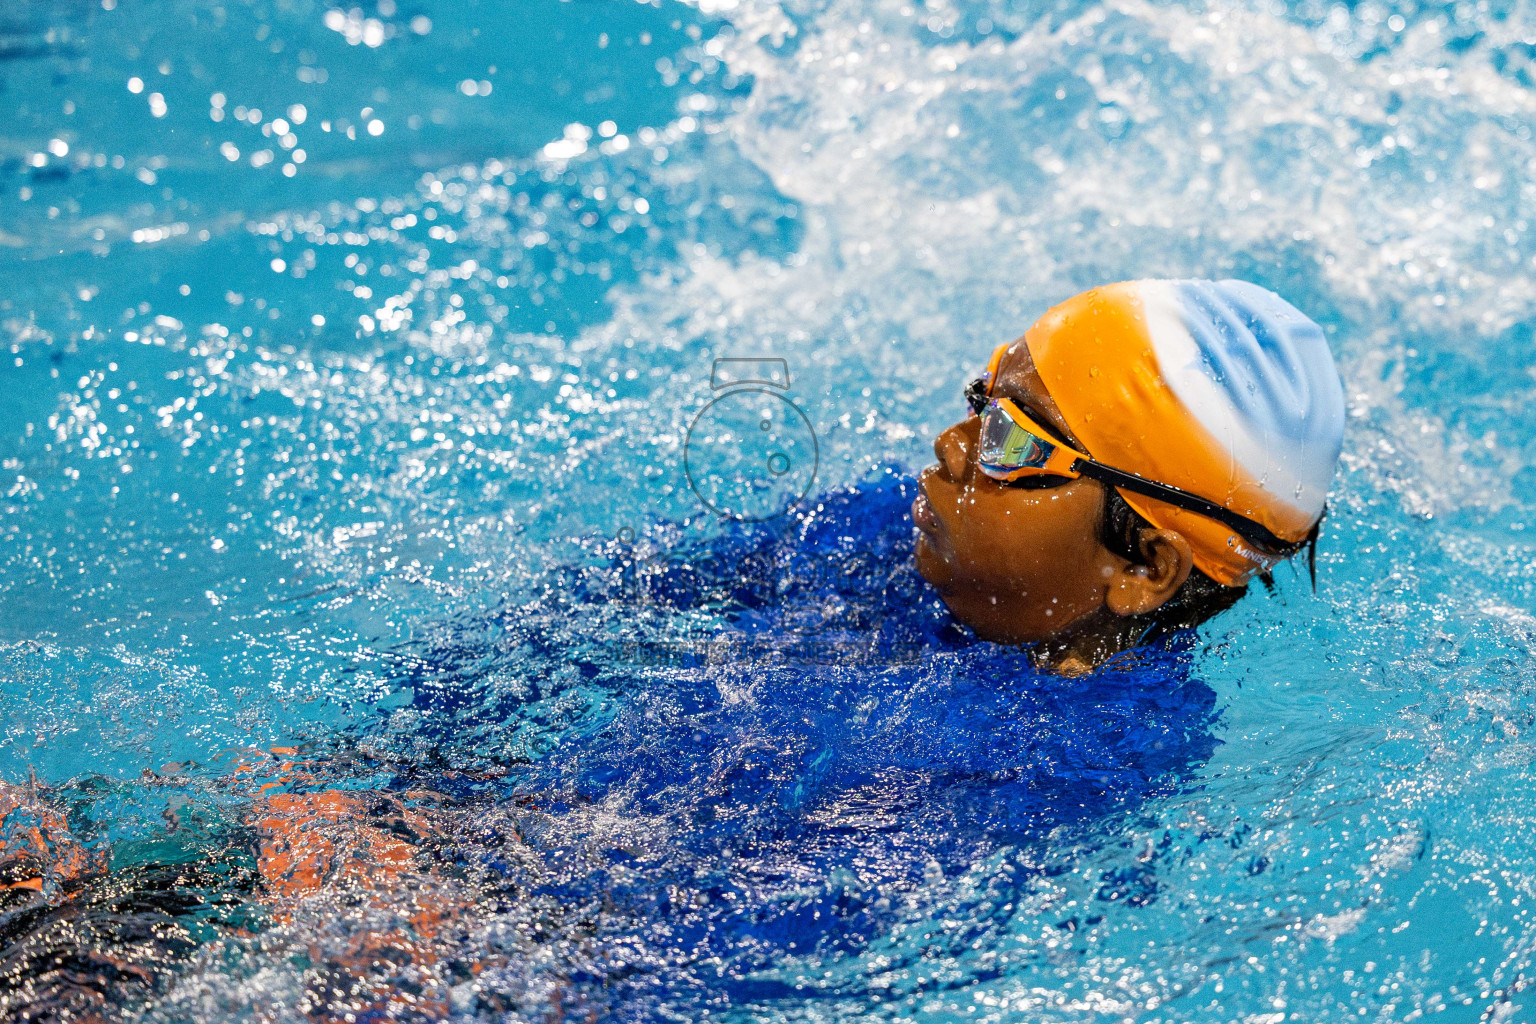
<point x="380" y="456"/>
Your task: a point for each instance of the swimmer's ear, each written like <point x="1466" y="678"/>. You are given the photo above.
<point x="1136" y="588"/>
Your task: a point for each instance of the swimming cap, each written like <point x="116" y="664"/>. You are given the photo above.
<point x="1220" y="388"/>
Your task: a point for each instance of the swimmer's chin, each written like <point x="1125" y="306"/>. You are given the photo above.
<point x="931" y="564"/>
<point x="979" y="611"/>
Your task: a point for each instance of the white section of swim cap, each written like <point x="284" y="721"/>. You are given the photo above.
<point x="1277" y="463"/>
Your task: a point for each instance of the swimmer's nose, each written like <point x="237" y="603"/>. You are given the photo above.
<point x="953" y="448"/>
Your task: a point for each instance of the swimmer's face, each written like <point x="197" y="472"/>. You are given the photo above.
<point x="1019" y="564"/>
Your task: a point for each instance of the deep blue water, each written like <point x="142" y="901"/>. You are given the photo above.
<point x="380" y="454"/>
<point x="795" y="780"/>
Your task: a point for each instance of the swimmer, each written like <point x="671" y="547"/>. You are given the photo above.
<point x="1129" y="465"/>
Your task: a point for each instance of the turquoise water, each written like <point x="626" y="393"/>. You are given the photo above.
<point x="281" y="436"/>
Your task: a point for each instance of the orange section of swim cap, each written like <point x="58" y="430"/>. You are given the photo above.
<point x="1094" y="353"/>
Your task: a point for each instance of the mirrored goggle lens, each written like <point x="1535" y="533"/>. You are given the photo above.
<point x="1007" y="447"/>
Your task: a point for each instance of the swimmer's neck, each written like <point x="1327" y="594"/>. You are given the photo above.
<point x="1091" y="643"/>
<point x="1104" y="635"/>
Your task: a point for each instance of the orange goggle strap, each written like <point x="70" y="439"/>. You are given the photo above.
<point x="1066" y="462"/>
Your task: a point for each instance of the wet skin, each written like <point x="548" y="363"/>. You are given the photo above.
<point x="1021" y="564"/>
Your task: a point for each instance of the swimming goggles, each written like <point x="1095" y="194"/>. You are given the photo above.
<point x="1014" y="447"/>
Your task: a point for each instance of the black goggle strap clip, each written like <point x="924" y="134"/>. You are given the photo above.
<point x="977" y="393"/>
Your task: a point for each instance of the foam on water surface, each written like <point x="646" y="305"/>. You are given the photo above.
<point x="271" y="440"/>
